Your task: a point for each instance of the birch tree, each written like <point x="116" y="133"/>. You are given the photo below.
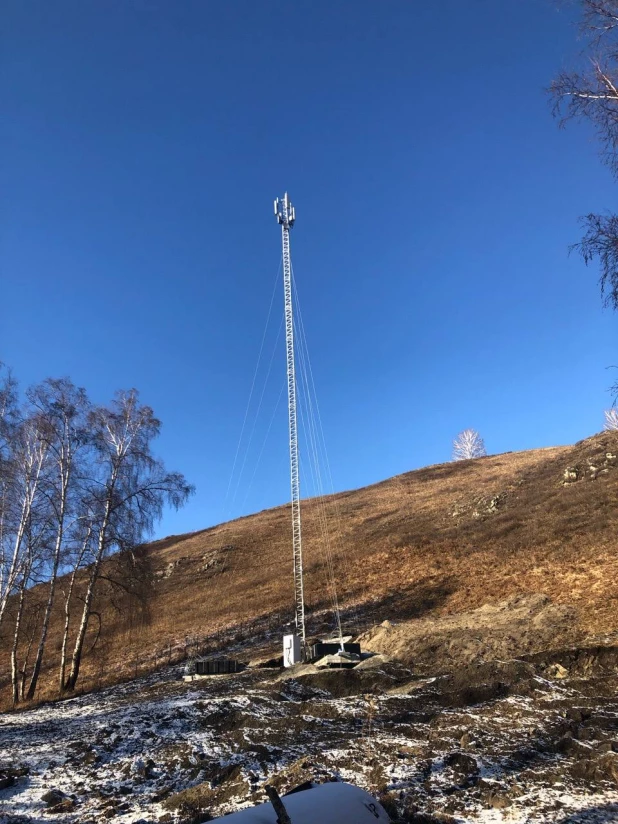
<point x="23" y="585"/>
<point x="77" y="484"/>
<point x="590" y="93"/>
<point x="468" y="444"/>
<point x="8" y="424"/>
<point x="27" y="458"/>
<point x="127" y="494"/>
<point x="611" y="419"/>
<point x="84" y="533"/>
<point x="63" y="410"/>
<point x="36" y="535"/>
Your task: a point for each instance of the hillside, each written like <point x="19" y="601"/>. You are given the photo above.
<point x="436" y="542"/>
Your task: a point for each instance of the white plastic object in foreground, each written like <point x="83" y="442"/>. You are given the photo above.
<point x="291" y="650"/>
<point x="332" y="803"/>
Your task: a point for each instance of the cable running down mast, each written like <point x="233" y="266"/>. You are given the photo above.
<point x="284" y="212"/>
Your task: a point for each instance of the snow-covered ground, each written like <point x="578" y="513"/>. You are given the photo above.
<point x="125" y="753"/>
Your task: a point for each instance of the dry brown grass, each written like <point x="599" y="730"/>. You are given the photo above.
<point x="424" y="543"/>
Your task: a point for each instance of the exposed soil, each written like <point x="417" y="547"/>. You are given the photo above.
<point x="518" y="626"/>
<point x="532" y="740"/>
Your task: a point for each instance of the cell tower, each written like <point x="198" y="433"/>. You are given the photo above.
<point x="295" y="646"/>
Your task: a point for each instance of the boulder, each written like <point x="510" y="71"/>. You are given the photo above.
<point x="53" y="797"/>
<point x="556" y="672"/>
<point x="65" y="806"/>
<point x="463" y="765"/>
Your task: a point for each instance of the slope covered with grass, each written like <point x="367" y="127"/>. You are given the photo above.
<point x="442" y="540"/>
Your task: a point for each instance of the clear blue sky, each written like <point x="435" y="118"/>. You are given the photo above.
<point x="142" y="143"/>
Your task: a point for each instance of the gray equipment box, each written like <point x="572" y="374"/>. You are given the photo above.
<point x="323" y="648"/>
<point x="217" y="666"/>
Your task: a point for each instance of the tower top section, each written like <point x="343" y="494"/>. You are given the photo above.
<point x="284" y="212"/>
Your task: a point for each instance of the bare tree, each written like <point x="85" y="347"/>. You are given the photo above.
<point x="8" y="426"/>
<point x="31" y="628"/>
<point x="22" y="587"/>
<point x="28" y="458"/>
<point x="128" y="493"/>
<point x="77" y="485"/>
<point x="592" y="94"/>
<point x="83" y="530"/>
<point x="468" y="444"/>
<point x="62" y="409"/>
<point x="37" y="531"/>
<point x="611" y="419"/>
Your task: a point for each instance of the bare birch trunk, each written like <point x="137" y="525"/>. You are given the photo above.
<point x="24" y="669"/>
<point x="65" y="634"/>
<point x="33" y="464"/>
<point x="38" y="661"/>
<point x="67" y="614"/>
<point x="94" y="574"/>
<point x="14" y="569"/>
<point x="14" y="667"/>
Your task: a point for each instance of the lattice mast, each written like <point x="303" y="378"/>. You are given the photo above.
<point x="284" y="212"/>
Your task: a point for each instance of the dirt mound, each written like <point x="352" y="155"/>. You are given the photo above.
<point x="516" y="626"/>
<point x="340" y="683"/>
<point x="579" y="661"/>
<point x="478" y="683"/>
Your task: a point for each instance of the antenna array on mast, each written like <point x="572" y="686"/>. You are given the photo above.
<point x="285" y="214"/>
